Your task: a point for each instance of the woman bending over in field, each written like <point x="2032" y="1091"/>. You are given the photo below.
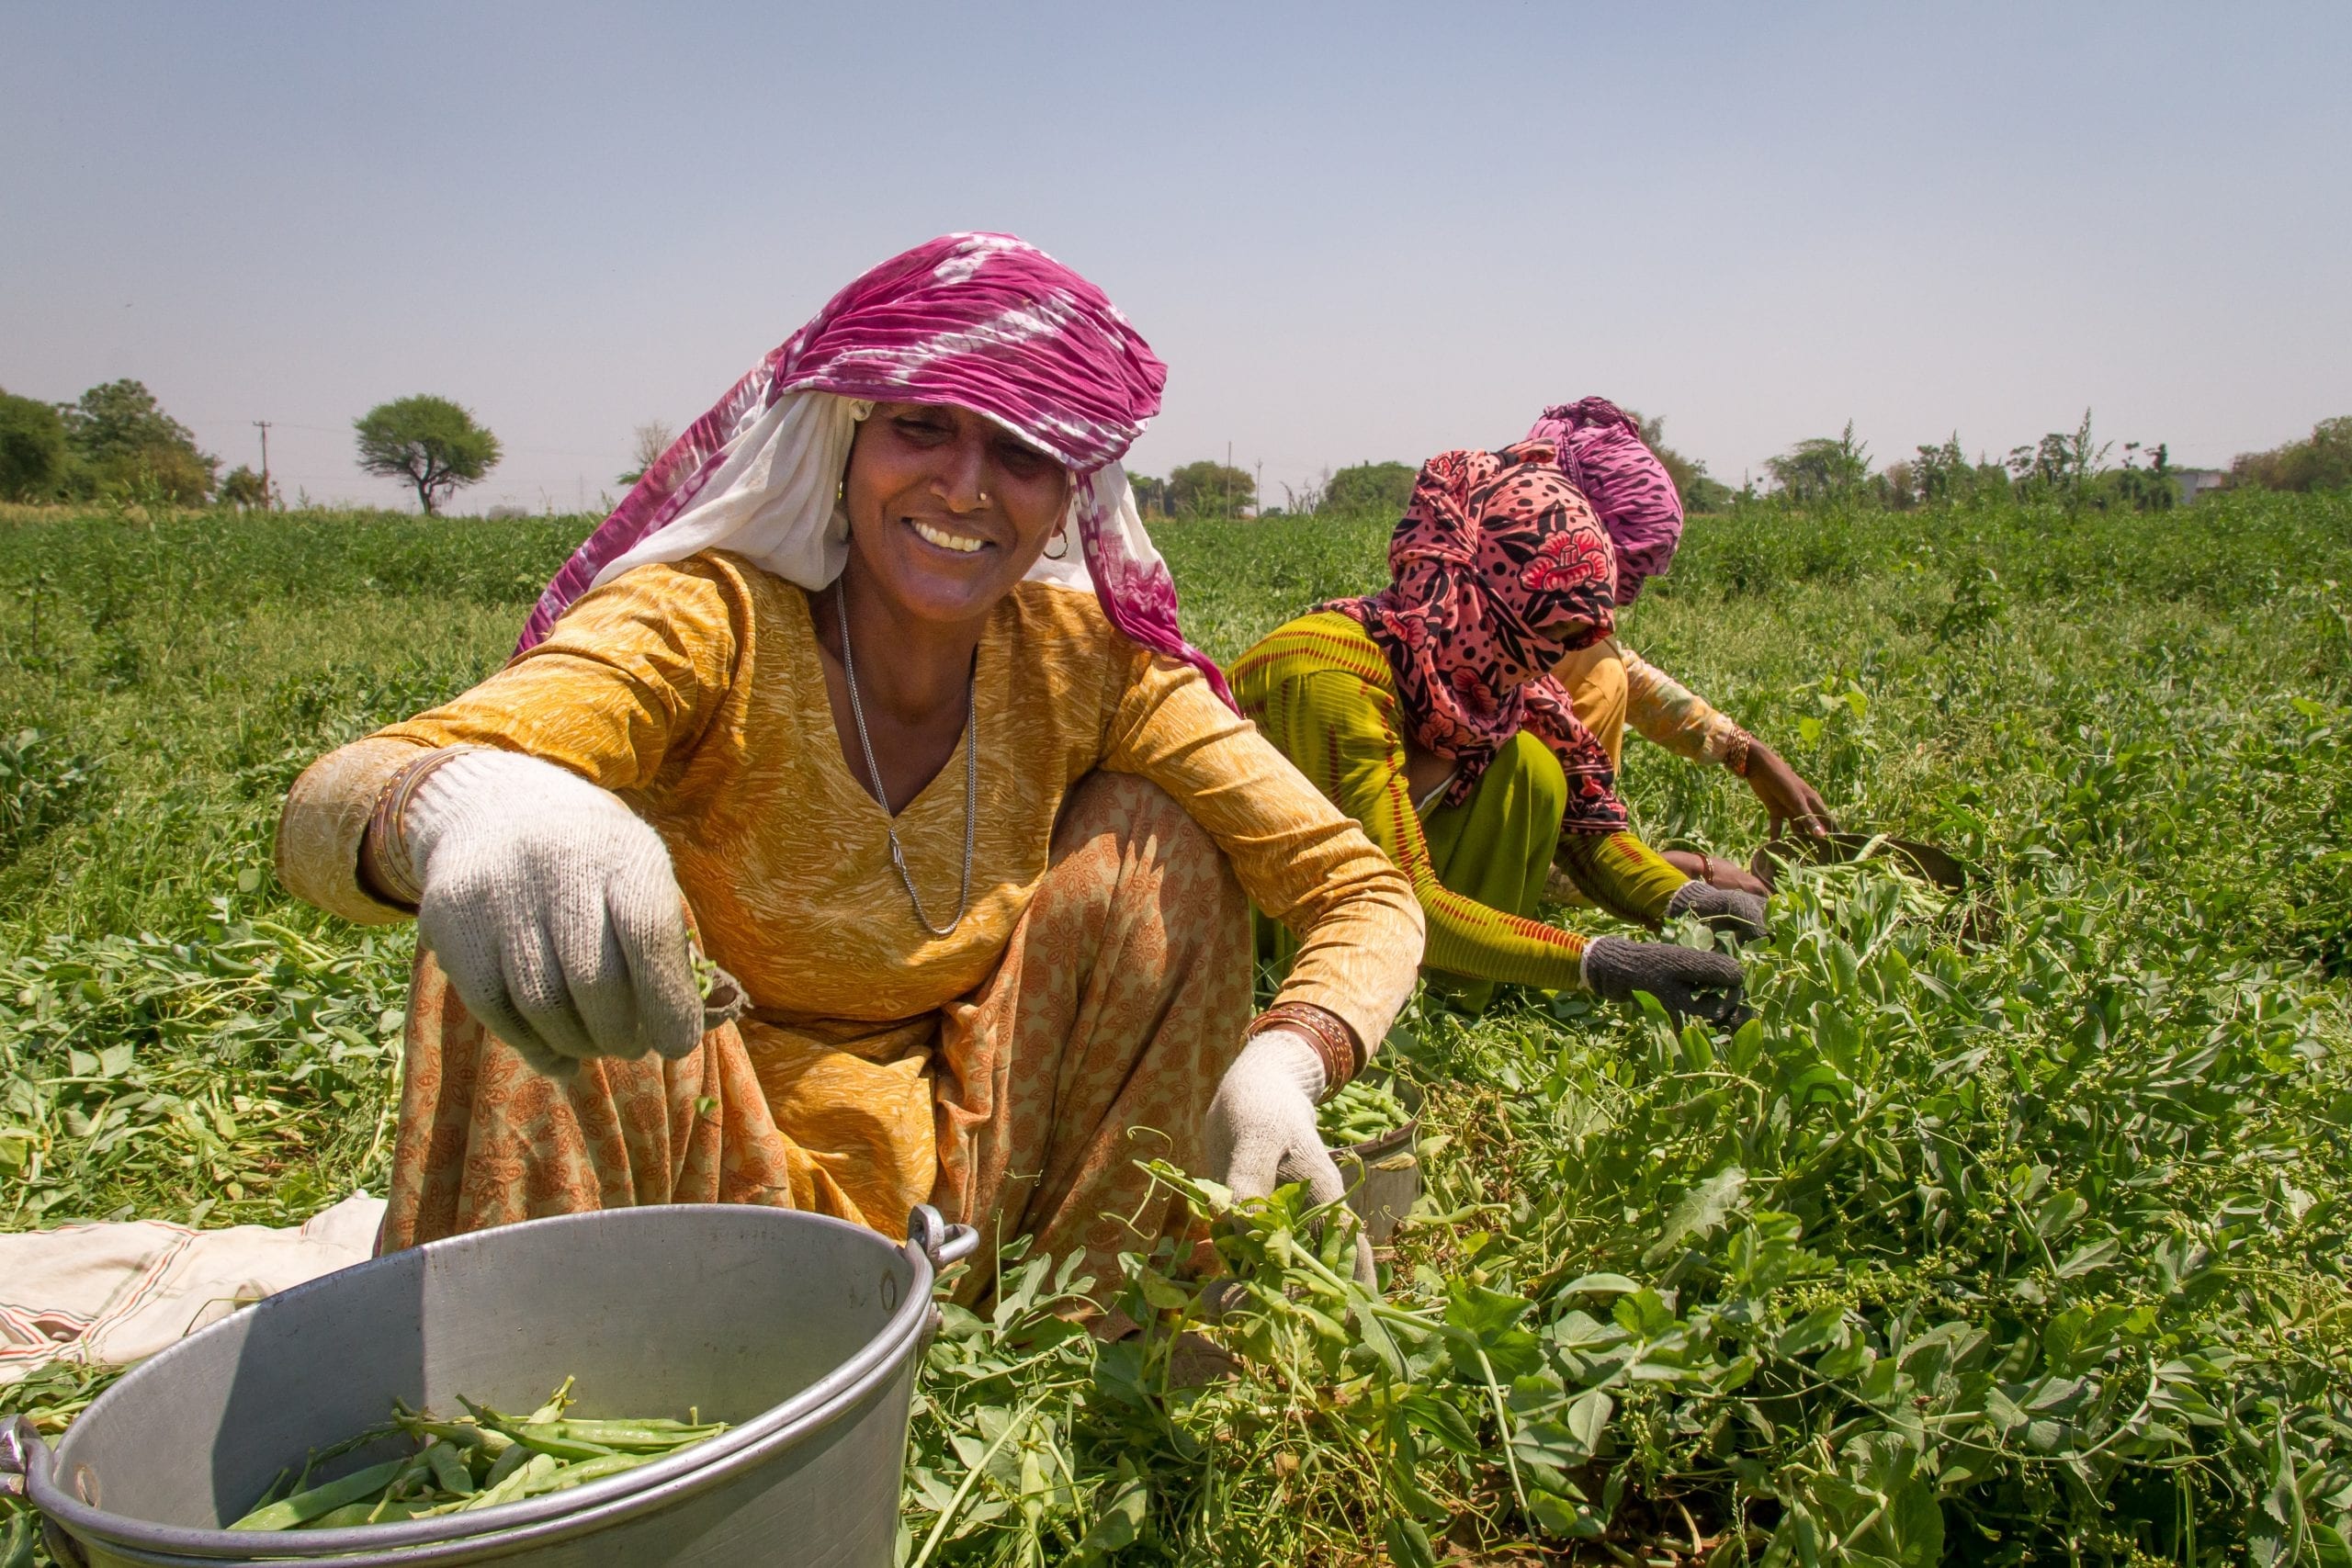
<point x="877" y="674"/>
<point x="1428" y="713"/>
<point x="1599" y="447"/>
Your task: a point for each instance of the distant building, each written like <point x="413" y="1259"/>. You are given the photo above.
<point x="2194" y="482"/>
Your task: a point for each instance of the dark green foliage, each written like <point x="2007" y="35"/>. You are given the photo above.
<point x="1210" y="490"/>
<point x="243" y="488"/>
<point x="34" y="458"/>
<point x="2324" y="461"/>
<point x="2064" y="469"/>
<point x="1823" y="468"/>
<point x="118" y="421"/>
<point x="42" y="784"/>
<point x="125" y="447"/>
<point x="430" y="442"/>
<point x="1376" y="489"/>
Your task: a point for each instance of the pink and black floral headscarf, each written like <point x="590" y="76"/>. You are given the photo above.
<point x="985" y="321"/>
<point x="1600" y="449"/>
<point x="1498" y="570"/>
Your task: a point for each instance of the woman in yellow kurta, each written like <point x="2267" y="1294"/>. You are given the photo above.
<point x="876" y="679"/>
<point x="1428" y="713"/>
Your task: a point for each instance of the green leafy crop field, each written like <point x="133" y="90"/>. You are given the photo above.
<point x="2010" y="1231"/>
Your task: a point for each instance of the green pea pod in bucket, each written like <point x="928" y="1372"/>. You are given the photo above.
<point x="1374" y="1134"/>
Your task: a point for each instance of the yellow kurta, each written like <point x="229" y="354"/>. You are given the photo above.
<point x="1612" y="688"/>
<point x="697" y="692"/>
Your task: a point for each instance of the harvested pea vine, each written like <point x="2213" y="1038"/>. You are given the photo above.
<point x="478" y="1460"/>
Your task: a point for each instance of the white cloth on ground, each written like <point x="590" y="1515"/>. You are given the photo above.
<point x="110" y="1293"/>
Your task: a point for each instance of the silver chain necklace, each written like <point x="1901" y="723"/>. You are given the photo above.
<point x="971" y="776"/>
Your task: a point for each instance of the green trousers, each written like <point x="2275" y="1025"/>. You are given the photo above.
<point x="1494" y="847"/>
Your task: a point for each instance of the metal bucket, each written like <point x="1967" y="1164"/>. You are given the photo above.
<point x="803" y="1331"/>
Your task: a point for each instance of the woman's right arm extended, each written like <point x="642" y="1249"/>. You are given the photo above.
<point x="626" y="682"/>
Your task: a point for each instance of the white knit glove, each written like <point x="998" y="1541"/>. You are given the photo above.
<point x="1261" y="1130"/>
<point x="553" y="911"/>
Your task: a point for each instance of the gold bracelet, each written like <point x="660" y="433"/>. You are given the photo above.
<point x="1736" y="754"/>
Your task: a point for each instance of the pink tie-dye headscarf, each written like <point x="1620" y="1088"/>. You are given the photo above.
<point x="985" y="321"/>
<point x="1602" y="452"/>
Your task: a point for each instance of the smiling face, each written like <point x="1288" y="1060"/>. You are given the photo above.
<point x="947" y="508"/>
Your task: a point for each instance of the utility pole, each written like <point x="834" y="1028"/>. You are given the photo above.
<point x="1229" y="481"/>
<point x="263" y="425"/>
<point x="1260" y="487"/>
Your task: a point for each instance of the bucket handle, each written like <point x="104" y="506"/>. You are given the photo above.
<point x="22" y="1451"/>
<point x="939" y="1242"/>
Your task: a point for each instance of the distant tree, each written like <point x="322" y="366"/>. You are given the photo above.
<point x="1942" y="473"/>
<point x="34" y="460"/>
<point x="1210" y="490"/>
<point x="124" y="443"/>
<point x="1698" y="492"/>
<point x="1378" y="489"/>
<point x="243" y="488"/>
<point x="430" y="442"/>
<point x="1823" y="467"/>
<point x="2152" y="489"/>
<point x="2324" y="461"/>
<point x="1897" y="486"/>
<point x="1708" y="494"/>
<point x="1151" y="494"/>
<point x="2060" y="466"/>
<point x="652" y="439"/>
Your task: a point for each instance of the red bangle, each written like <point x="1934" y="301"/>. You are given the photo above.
<point x="1736" y="754"/>
<point x="1335" y="1044"/>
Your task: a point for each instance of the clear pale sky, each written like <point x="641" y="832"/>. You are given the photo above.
<point x="1353" y="231"/>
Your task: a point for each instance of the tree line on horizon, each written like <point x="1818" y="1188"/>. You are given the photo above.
<point x="2070" y="467"/>
<point x="116" y="443"/>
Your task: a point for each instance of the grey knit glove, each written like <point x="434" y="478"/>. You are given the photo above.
<point x="1724" y="909"/>
<point x="553" y="911"/>
<point x="1261" y="1130"/>
<point x="1687" y="983"/>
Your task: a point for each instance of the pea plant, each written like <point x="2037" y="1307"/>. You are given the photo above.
<point x="1956" y="1250"/>
<point x="2012" y="1228"/>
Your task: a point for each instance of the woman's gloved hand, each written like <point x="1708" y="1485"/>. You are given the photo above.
<point x="1724" y="909"/>
<point x="553" y="910"/>
<point x="1261" y="1130"/>
<point x="1686" y="982"/>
